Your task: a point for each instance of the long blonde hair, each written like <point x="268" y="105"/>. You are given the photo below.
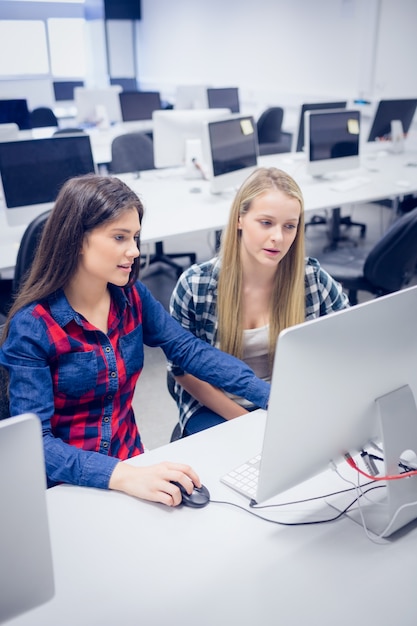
<point x="287" y="304"/>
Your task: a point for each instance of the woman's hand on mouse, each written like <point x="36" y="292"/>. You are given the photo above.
<point x="154" y="482"/>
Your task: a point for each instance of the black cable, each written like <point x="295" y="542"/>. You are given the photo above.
<point x="311" y="523"/>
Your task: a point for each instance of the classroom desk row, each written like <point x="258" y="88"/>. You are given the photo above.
<point x="121" y="560"/>
<point x="175" y="205"/>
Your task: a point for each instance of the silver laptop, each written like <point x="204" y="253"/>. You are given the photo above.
<point x="26" y="571"/>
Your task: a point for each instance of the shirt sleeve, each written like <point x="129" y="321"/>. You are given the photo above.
<point x="324" y="295"/>
<point x="198" y="357"/>
<point x="26" y="354"/>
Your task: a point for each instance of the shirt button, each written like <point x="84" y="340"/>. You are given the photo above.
<point x="107" y="349"/>
<point x="113" y="374"/>
<point x="109" y="397"/>
<point x="105" y="444"/>
<point x="106" y="419"/>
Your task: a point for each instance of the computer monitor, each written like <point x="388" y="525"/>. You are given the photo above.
<point x="191" y="97"/>
<point x="332" y="141"/>
<point x="231" y="151"/>
<point x="26" y="565"/>
<point x="33" y="171"/>
<point x="93" y="105"/>
<point x="139" y="105"/>
<point x="224" y="97"/>
<point x="388" y="111"/>
<point x="174" y="131"/>
<point x="339" y="383"/>
<point x="9" y="132"/>
<point x="315" y="106"/>
<point x="64" y="89"/>
<point x="16" y="111"/>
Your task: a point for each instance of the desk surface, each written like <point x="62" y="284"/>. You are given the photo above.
<point x="119" y="560"/>
<point x="176" y="206"/>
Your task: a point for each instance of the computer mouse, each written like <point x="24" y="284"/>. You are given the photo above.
<point x="200" y="496"/>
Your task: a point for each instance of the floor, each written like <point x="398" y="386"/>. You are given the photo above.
<point x="155" y="410"/>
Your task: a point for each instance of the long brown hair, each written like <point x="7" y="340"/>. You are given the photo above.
<point x="287" y="304"/>
<point x="83" y="204"/>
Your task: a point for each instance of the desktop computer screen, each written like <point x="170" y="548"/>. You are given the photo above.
<point x="388" y="111"/>
<point x="33" y="171"/>
<point x="16" y="111"/>
<point x="174" y="130"/>
<point x="364" y="360"/>
<point x="316" y="106"/>
<point x="64" y="89"/>
<point x="94" y="104"/>
<point x="224" y="97"/>
<point x="139" y="105"/>
<point x="332" y="141"/>
<point x="231" y="151"/>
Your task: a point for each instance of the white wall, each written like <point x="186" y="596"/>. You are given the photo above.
<point x="274" y="48"/>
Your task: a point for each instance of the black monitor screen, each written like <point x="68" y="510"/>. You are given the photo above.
<point x="334" y="135"/>
<point x="33" y="171"/>
<point x="233" y="145"/>
<point x="64" y="89"/>
<point x="15" y="111"/>
<point x="139" y="105"/>
<point x="316" y="106"/>
<point x="224" y="98"/>
<point x="389" y="110"/>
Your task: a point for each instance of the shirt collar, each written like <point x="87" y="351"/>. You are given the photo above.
<point x="63" y="313"/>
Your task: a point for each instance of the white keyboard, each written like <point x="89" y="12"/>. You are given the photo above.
<point x="349" y="183"/>
<point x="244" y="478"/>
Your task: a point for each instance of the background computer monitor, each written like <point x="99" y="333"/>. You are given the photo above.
<point x="139" y="105"/>
<point x="231" y="151"/>
<point x="356" y="355"/>
<point x="389" y="110"/>
<point x="174" y="129"/>
<point x="332" y="141"/>
<point x="224" y="97"/>
<point x="315" y="106"/>
<point x="64" y="89"/>
<point x="92" y="103"/>
<point x="191" y="97"/>
<point x="33" y="171"/>
<point x="127" y="84"/>
<point x="16" y="111"/>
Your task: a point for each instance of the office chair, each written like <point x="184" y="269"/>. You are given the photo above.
<point x="271" y="139"/>
<point x="133" y="152"/>
<point x="43" y="116"/>
<point x="176" y="433"/>
<point x="388" y="267"/>
<point x="4" y="382"/>
<point x="70" y="131"/>
<point x="27" y="248"/>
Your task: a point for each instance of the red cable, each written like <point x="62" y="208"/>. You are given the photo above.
<point x="394" y="477"/>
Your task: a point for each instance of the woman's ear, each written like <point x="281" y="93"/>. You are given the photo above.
<point x="239" y="223"/>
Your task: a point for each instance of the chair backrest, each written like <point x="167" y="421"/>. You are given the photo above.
<point x="269" y="125"/>
<point x="27" y="248"/>
<point x="43" y="116"/>
<point x="131" y="152"/>
<point x="70" y="131"/>
<point x="391" y="263"/>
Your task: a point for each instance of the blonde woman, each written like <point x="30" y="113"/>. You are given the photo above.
<point x="260" y="283"/>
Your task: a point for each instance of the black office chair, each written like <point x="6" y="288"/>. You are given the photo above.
<point x="27" y="248"/>
<point x="388" y="267"/>
<point x="71" y="130"/>
<point x="133" y="152"/>
<point x="43" y="116"/>
<point x="271" y="138"/>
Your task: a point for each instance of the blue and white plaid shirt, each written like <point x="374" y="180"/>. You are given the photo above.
<point x="193" y="304"/>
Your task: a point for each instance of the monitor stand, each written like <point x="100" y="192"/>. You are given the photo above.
<point x="397" y="506"/>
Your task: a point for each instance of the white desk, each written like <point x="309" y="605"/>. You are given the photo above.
<point x="173" y="207"/>
<point x="119" y="560"/>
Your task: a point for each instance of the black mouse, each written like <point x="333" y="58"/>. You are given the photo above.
<point x="199" y="497"/>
